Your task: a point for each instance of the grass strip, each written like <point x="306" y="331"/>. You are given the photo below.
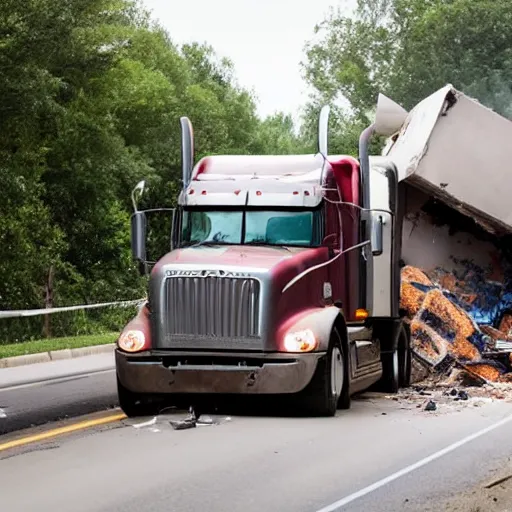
<point x="45" y="345"/>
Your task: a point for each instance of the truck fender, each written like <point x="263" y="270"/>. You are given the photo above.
<point x="321" y="321"/>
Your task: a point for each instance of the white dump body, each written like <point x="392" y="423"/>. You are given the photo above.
<point x="459" y="151"/>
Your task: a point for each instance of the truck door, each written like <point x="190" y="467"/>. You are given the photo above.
<point x="336" y="285"/>
<point x="382" y="242"/>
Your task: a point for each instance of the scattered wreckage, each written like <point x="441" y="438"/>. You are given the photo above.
<point x="453" y="157"/>
<point x="285" y="271"/>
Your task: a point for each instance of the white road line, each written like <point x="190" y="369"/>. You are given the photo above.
<point x="57" y="380"/>
<point x="381" y="483"/>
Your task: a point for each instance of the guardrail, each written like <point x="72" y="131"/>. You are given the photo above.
<point x="21" y="313"/>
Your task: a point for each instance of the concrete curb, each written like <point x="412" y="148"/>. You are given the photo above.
<point x="55" y="355"/>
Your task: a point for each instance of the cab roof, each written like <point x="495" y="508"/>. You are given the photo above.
<point x="229" y="167"/>
<point x="258" y="180"/>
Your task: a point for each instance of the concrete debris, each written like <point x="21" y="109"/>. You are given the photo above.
<point x="460" y="326"/>
<point x="462" y="395"/>
<point x="193" y="420"/>
<point x="187" y="423"/>
<point x="440" y="398"/>
<point x="204" y="420"/>
<point x="457" y="394"/>
<point x="178" y="419"/>
<point x="145" y="423"/>
<point x="431" y="406"/>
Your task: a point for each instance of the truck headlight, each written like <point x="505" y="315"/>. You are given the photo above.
<point x="132" y="341"/>
<point x="300" y="341"/>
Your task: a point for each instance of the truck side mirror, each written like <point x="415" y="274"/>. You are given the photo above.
<point x="377" y="235"/>
<point x="138" y="236"/>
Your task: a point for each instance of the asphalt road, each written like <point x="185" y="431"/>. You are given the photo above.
<point x="382" y="455"/>
<point x="37" y="404"/>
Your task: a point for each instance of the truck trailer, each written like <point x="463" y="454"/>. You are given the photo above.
<point x="453" y="161"/>
<point x="283" y="278"/>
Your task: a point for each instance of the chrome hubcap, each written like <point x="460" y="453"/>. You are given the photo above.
<point x="337" y="372"/>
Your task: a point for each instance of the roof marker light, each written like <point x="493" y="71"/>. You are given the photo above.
<point x="191" y="191"/>
<point x="306" y="192"/>
<point x="258" y="192"/>
<point x="237" y="192"/>
<point x="203" y="192"/>
<point x="295" y="192"/>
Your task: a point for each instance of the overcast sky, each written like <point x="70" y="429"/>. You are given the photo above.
<point x="264" y="39"/>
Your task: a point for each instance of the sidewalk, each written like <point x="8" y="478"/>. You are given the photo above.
<point x="47" y="371"/>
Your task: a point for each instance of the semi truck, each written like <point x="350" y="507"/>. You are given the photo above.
<point x="283" y="278"/>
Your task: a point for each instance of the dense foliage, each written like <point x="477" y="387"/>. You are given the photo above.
<point x="407" y="49"/>
<point x="91" y="92"/>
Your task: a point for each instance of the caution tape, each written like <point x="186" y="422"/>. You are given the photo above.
<point x="36" y="312"/>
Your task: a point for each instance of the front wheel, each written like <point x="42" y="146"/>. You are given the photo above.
<point x="328" y="388"/>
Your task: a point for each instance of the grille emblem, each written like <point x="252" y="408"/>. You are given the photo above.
<point x="205" y="273"/>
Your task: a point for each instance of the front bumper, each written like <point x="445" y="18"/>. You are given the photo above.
<point x="184" y="372"/>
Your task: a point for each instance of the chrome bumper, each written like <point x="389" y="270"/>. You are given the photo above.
<point x="158" y="372"/>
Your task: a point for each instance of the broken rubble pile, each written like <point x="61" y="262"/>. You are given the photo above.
<point x="459" y="322"/>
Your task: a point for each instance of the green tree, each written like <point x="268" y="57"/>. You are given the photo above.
<point x="409" y="48"/>
<point x="277" y="135"/>
<point x="91" y="93"/>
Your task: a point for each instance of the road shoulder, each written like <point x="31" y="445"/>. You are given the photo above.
<point x="494" y="494"/>
<point x="84" y="362"/>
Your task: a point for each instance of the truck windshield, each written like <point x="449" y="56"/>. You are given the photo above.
<point x="300" y="228"/>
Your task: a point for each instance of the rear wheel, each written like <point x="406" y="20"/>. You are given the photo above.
<point x="390" y="382"/>
<point x="134" y="404"/>
<point x="404" y="358"/>
<point x="328" y="389"/>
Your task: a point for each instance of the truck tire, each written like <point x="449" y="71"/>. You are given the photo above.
<point x="133" y="404"/>
<point x="328" y="388"/>
<point x="404" y="357"/>
<point x="390" y="382"/>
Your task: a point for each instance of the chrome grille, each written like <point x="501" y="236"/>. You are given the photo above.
<point x="214" y="307"/>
